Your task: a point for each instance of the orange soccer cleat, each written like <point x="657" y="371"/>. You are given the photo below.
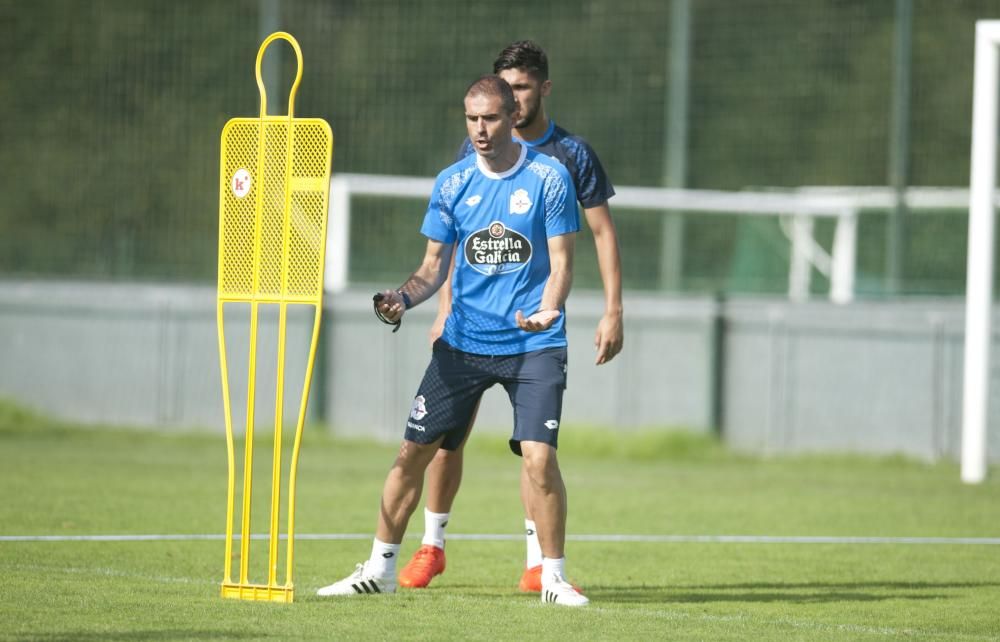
<point x="531" y="580"/>
<point x="427" y="562"/>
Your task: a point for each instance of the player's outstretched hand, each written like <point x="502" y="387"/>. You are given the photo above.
<point x="541" y="320"/>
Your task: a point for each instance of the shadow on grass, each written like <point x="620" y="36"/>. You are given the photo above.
<point x="798" y="593"/>
<point x="793" y="593"/>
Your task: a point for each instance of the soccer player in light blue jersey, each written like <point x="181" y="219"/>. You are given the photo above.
<point x="508" y="213"/>
<point x="524" y="66"/>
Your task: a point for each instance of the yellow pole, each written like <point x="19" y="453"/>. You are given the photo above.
<point x="294" y="466"/>
<point x="279" y="400"/>
<point x="248" y="450"/>
<point x="230" y="453"/>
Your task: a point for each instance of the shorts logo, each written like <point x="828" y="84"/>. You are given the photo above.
<point x="472" y="201"/>
<point x="520" y="202"/>
<point x="497" y="249"/>
<point x="419" y="409"/>
<point x="551" y="424"/>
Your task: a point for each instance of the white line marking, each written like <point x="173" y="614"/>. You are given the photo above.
<point x="109" y="572"/>
<point x="611" y="538"/>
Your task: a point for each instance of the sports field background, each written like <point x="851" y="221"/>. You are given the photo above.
<point x="110" y="113"/>
<point x="64" y="481"/>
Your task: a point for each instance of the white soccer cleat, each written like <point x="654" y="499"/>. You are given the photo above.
<point x="556" y="590"/>
<point x="360" y="582"/>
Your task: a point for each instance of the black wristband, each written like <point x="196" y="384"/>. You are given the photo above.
<point x="406" y="299"/>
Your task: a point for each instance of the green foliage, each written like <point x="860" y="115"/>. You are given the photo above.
<point x="17" y="418"/>
<point x="110" y="113"/>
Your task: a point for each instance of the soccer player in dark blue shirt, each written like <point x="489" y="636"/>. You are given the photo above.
<point x="524" y="66"/>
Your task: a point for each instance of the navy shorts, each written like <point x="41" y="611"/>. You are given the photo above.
<point x="455" y="381"/>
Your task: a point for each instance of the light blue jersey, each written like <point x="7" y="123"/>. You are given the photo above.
<point x="502" y="223"/>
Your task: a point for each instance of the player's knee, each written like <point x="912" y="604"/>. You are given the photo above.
<point x="413" y="458"/>
<point x="540" y="463"/>
<point x="448" y="459"/>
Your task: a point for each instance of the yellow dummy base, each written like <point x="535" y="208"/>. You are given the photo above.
<point x="258" y="592"/>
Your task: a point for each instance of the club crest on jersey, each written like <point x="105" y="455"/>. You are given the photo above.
<point x="497" y="249"/>
<point x="520" y="202"/>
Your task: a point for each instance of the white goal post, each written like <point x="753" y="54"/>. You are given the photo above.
<point x="979" y="274"/>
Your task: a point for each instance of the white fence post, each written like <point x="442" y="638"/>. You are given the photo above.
<point x="338" y="235"/>
<point x="800" y="269"/>
<point x="843" y="257"/>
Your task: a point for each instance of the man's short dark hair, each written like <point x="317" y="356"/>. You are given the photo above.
<point x="493" y="85"/>
<point x="526" y="55"/>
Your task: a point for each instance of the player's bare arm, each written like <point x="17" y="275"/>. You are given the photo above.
<point x="609" y="337"/>
<point x="444" y="304"/>
<point x="556" y="287"/>
<point x="422" y="284"/>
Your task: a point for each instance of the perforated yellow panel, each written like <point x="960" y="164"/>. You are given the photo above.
<point x="273" y="209"/>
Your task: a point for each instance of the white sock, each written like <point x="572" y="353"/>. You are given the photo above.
<point x="434" y="524"/>
<point x="552" y="566"/>
<point x="534" y="548"/>
<point x="382" y="562"/>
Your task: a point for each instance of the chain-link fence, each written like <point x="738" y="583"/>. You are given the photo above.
<point x="110" y="114"/>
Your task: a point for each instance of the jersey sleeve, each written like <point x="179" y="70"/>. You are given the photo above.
<point x="593" y="185"/>
<point x="561" y="214"/>
<point x="439" y="224"/>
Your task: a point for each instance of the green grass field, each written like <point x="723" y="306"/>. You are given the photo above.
<point x="57" y="480"/>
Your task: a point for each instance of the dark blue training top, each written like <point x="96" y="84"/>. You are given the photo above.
<point x="592" y="185"/>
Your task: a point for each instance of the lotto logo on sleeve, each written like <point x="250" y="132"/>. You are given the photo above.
<point x="497" y="249"/>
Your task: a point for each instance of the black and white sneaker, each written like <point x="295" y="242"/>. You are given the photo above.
<point x="556" y="590"/>
<point x="360" y="582"/>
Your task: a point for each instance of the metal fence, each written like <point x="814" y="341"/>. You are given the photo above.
<point x="110" y="113"/>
